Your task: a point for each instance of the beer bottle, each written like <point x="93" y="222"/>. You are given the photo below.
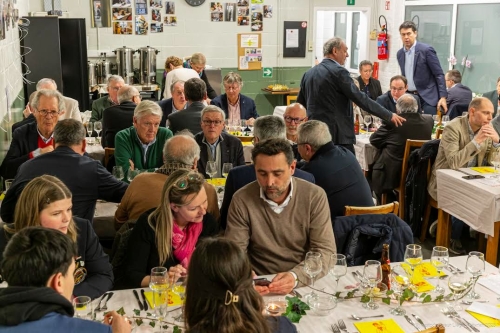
<point x="356" y="125"/>
<point x="386" y="266"/>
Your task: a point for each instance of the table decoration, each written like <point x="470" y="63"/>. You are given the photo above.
<point x="295" y="309"/>
<point x="139" y="319"/>
<point x="217" y="181"/>
<point x="378" y="326"/>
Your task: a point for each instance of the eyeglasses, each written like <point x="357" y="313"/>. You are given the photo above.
<point x="295" y="120"/>
<point x="397" y="89"/>
<point x="50" y="113"/>
<point x="231" y="88"/>
<point x="192" y="177"/>
<point x="212" y="122"/>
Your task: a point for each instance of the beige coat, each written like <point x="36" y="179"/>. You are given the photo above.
<point x="71" y="110"/>
<point x="456" y="150"/>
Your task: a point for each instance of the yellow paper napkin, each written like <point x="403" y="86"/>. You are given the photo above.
<point x="217" y="181"/>
<point x="422" y="271"/>
<point x="484" y="169"/>
<point x="173" y="299"/>
<point x="485" y="320"/>
<point x="246" y="143"/>
<point x="379" y="326"/>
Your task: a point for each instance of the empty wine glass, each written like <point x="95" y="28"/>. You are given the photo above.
<point x="458" y="283"/>
<point x="226" y="167"/>
<point x="435" y="117"/>
<point x="90" y="127"/>
<point x="372" y="273"/>
<point x="495" y="159"/>
<point x="475" y="266"/>
<point x="399" y="282"/>
<point x="338" y="267"/>
<point x="131" y="174"/>
<point x="118" y="172"/>
<point x="159" y="284"/>
<point x="211" y="169"/>
<point x="413" y="257"/>
<point x="377" y="122"/>
<point x="439" y="259"/>
<point x="98" y="129"/>
<point x="368" y="120"/>
<point x="312" y="267"/>
<point x="445" y="120"/>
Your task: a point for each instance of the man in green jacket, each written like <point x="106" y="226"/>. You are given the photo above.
<point x="140" y="146"/>
<point x="115" y="82"/>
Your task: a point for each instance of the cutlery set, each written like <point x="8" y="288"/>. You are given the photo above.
<point x="105" y="306"/>
<point x="452" y="314"/>
<point x="144" y="304"/>
<point x="337" y="328"/>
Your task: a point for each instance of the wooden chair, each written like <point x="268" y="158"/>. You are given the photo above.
<point x="439" y="328"/>
<point x="291" y="99"/>
<point x="439" y="131"/>
<point x="410" y="146"/>
<point x="108" y="152"/>
<point x="383" y="209"/>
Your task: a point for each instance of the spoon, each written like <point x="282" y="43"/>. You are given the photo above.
<point x="359" y="318"/>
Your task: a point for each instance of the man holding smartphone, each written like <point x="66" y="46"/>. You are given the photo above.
<point x="467" y="142"/>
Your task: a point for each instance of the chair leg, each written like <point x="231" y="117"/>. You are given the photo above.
<point x="425" y="223"/>
<point x="383" y="199"/>
<point x="402" y="205"/>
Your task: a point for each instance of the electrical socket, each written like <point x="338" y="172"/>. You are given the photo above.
<point x="311" y="46"/>
<point x="373" y="34"/>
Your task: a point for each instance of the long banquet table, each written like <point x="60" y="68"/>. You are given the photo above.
<point x="430" y="312"/>
<point x="365" y="152"/>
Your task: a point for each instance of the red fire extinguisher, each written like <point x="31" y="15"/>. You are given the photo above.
<point x="382" y="46"/>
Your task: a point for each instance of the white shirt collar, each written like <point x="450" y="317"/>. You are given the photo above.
<point x="274" y="206"/>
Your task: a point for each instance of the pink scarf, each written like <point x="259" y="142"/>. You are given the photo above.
<point x="184" y="241"/>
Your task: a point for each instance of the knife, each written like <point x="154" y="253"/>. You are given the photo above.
<point x="459" y="271"/>
<point x="356" y="276"/>
<point x="138" y="300"/>
<point x="144" y="300"/>
<point x="408" y="319"/>
<point x="417" y="318"/>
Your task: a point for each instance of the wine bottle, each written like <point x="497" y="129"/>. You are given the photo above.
<point x="386" y="266"/>
<point x="356" y="125"/>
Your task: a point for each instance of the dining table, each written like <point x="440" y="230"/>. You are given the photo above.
<point x="365" y="152"/>
<point x="430" y="313"/>
<point x="474" y="201"/>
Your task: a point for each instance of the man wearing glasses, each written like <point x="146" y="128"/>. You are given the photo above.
<point x="34" y="139"/>
<point x="398" y="87"/>
<point x="215" y="144"/>
<point x="295" y="114"/>
<point x="115" y="82"/>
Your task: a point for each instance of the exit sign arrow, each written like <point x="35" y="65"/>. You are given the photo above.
<point x="267" y="72"/>
<point x="351" y="2"/>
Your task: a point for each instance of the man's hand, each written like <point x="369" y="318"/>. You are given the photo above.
<point x="397" y="120"/>
<point x="47" y="149"/>
<point x="119" y="324"/>
<point x="282" y="283"/>
<point x="487" y="131"/>
<point x="27" y="111"/>
<point x="250" y="121"/>
<point x="442" y="103"/>
<point x="262" y="290"/>
<point x="131" y="164"/>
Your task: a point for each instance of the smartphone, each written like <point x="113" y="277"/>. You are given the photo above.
<point x="263" y="282"/>
<point x="472" y="177"/>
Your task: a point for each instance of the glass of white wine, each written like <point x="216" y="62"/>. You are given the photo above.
<point x="413" y="257"/>
<point x="226" y="167"/>
<point x="458" y="283"/>
<point x="211" y="169"/>
<point x="439" y="259"/>
<point x="399" y="282"/>
<point x="338" y="267"/>
<point x="495" y="160"/>
<point x="159" y="284"/>
<point x="98" y="129"/>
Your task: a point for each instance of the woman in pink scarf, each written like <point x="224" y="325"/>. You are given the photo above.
<point x="167" y="236"/>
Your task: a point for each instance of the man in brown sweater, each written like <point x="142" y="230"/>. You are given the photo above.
<point x="144" y="193"/>
<point x="278" y="218"/>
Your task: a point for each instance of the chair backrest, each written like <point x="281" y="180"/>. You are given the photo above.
<point x="108" y="152"/>
<point x="117" y="255"/>
<point x="439" y="328"/>
<point x="382" y="209"/>
<point x="410" y="146"/>
<point x="291" y="99"/>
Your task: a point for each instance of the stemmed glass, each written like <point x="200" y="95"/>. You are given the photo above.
<point x="372" y="274"/>
<point x="495" y="159"/>
<point x="445" y="120"/>
<point x="338" y="267"/>
<point x="179" y="288"/>
<point x="377" y="122"/>
<point x="159" y="284"/>
<point x="435" y="117"/>
<point x="98" y="129"/>
<point x="118" y="172"/>
<point x="399" y="282"/>
<point x="131" y="174"/>
<point x="475" y="266"/>
<point x="312" y="267"/>
<point x="439" y="259"/>
<point x="226" y="167"/>
<point x="458" y="283"/>
<point x="368" y="121"/>
<point x="244" y="126"/>
<point x="90" y="127"/>
<point x="211" y="169"/>
<point x="413" y="257"/>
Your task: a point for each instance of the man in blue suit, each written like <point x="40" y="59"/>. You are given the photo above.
<point x="236" y="106"/>
<point x="265" y="128"/>
<point x="420" y="65"/>
<point x="457" y="92"/>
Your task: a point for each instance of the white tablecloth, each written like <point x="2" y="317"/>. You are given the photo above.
<point x="475" y="203"/>
<point x="247" y="152"/>
<point x="310" y="323"/>
<point x="95" y="150"/>
<point x="365" y="152"/>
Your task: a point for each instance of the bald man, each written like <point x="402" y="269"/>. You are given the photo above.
<point x="295" y="114"/>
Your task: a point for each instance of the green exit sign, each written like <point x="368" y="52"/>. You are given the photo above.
<point x="351" y="2"/>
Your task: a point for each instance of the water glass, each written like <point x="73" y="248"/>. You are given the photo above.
<point x="118" y="172"/>
<point x="439" y="259"/>
<point x="226" y="167"/>
<point x="8" y="183"/>
<point x="131" y="174"/>
<point x="159" y="284"/>
<point x="312" y="267"/>
<point x="338" y="267"/>
<point x="83" y="307"/>
<point x="399" y="282"/>
<point x="445" y="120"/>
<point x="372" y="273"/>
<point x="211" y="169"/>
<point x="475" y="266"/>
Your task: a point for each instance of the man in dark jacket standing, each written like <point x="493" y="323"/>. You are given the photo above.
<point x="335" y="169"/>
<point x="327" y="92"/>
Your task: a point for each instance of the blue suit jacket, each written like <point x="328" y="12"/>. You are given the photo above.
<point x="427" y="73"/>
<point x="241" y="176"/>
<point x="247" y="106"/>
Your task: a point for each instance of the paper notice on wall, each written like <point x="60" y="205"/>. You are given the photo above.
<point x="292" y="38"/>
<point x="249" y="40"/>
<point x="243" y="62"/>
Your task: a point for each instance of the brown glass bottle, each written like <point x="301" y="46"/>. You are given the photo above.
<point x="386" y="266"/>
<point x="356" y="125"/>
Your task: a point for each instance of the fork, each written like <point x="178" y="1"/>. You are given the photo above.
<point x="335" y="328"/>
<point x="455" y="314"/>
<point x="447" y="313"/>
<point x="105" y="307"/>
<point x="342" y="325"/>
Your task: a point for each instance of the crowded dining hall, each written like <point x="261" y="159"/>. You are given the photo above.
<point x="328" y="166"/>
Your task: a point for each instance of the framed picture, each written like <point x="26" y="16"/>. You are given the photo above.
<point x="100" y="14"/>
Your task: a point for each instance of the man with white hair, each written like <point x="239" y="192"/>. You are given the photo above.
<point x="140" y="146"/>
<point x="115" y="82"/>
<point x="119" y="117"/>
<point x="70" y="110"/>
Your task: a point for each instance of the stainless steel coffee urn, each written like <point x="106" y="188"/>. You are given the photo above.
<point x="125" y="63"/>
<point x="92" y="74"/>
<point x="103" y="71"/>
<point x="147" y="65"/>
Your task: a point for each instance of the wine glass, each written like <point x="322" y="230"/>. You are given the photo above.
<point x="98" y="129"/>
<point x="338" y="267"/>
<point x="368" y="120"/>
<point x="439" y="259"/>
<point x="118" y="172"/>
<point x="445" y="120"/>
<point x="495" y="159"/>
<point x="312" y="267"/>
<point x="90" y="127"/>
<point x="435" y="117"/>
<point x="225" y="169"/>
<point x="377" y="122"/>
<point x="372" y="273"/>
<point x="179" y="288"/>
<point x="131" y="174"/>
<point x="458" y="283"/>
<point x="159" y="284"/>
<point x="211" y="169"/>
<point x="399" y="282"/>
<point x="413" y="257"/>
<point x="475" y="266"/>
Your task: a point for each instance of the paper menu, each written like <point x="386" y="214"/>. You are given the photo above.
<point x="379" y="326"/>
<point x="492" y="282"/>
<point x="487" y="314"/>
